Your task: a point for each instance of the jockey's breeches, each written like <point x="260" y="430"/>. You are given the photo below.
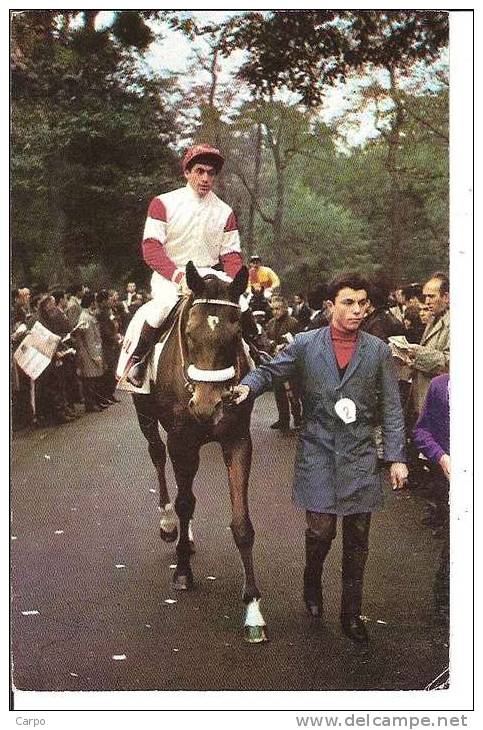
<point x="165" y="296"/>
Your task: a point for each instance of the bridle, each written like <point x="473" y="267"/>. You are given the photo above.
<point x="192" y="374"/>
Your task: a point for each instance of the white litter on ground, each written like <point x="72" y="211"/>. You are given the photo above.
<point x="170" y="600"/>
<point x="73" y="674"/>
<point x="210" y="577"/>
<point x="119" y="657"/>
<point x="120" y="565"/>
<point x="46" y="456"/>
<point x="173" y="565"/>
<point x="30" y="613"/>
<point x="14" y="537"/>
<point x="59" y="532"/>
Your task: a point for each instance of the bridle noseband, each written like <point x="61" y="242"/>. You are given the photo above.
<point x="194" y="374"/>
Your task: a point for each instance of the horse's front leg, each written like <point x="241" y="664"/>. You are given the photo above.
<point x="146" y="412"/>
<point x="238" y="457"/>
<point x="185" y="459"/>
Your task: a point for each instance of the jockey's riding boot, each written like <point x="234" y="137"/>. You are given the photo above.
<point x="316" y="549"/>
<point x="355" y="549"/>
<point x="147" y="339"/>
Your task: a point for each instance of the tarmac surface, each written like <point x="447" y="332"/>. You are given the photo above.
<point x="92" y="603"/>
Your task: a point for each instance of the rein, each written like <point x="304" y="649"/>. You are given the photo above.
<point x="193" y="374"/>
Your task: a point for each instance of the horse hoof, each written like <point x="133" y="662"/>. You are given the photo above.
<point x="182" y="583"/>
<point x="168" y="536"/>
<point x="256" y="634"/>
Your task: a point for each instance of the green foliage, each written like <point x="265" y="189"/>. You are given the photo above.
<point x="302" y="50"/>
<point x="89" y="149"/>
<point x="92" y="136"/>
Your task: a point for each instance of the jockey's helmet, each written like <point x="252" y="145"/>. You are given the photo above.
<point x="212" y="155"/>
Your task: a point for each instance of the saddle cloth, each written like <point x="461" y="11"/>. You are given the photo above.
<point x="152" y="360"/>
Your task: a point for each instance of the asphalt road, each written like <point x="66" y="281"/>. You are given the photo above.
<point x="90" y="576"/>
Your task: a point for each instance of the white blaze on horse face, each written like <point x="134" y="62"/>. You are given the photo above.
<point x="213" y="321"/>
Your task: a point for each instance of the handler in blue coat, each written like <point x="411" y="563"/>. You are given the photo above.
<point x="349" y="385"/>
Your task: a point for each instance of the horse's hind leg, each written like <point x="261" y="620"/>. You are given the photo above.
<point x="238" y="456"/>
<point x="148" y="422"/>
<point x="185" y="459"/>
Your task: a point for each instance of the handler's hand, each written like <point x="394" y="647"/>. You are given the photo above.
<point x="240" y="393"/>
<point x="399" y="474"/>
<point x="445" y="463"/>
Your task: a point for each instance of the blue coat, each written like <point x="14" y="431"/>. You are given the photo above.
<point x="336" y="467"/>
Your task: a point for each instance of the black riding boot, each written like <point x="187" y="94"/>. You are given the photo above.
<point x="355" y="548"/>
<point x="147" y="339"/>
<point x="316" y="549"/>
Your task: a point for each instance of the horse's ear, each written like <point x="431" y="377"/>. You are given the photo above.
<point x="239" y="283"/>
<point x="193" y="279"/>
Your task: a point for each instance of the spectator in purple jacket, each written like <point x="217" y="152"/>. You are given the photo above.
<point x="431" y="433"/>
<point x="431" y="437"/>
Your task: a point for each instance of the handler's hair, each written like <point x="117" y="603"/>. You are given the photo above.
<point x="443" y="281"/>
<point x="351" y="281"/>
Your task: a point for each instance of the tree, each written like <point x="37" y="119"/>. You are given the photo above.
<point x="90" y="138"/>
<point x="303" y="50"/>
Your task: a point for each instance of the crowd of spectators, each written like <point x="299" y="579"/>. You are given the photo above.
<point x="92" y="325"/>
<point x="81" y="376"/>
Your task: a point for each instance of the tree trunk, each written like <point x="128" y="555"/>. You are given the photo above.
<point x="249" y="242"/>
<point x="280" y="207"/>
<point x="395" y="210"/>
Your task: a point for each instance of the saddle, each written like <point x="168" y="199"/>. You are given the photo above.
<point x="167" y="325"/>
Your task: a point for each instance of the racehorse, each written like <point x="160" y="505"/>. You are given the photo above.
<point x="203" y="357"/>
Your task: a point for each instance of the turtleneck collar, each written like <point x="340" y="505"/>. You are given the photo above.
<point x="338" y="334"/>
<point x="344" y="344"/>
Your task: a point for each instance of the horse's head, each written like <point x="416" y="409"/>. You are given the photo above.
<point x="213" y="337"/>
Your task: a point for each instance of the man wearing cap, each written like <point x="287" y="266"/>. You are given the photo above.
<point x="262" y="276"/>
<point x="187" y="224"/>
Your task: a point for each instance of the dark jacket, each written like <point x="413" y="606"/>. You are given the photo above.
<point x="277" y="328"/>
<point x="336" y="468"/>
<point x="109" y="331"/>
<point x="381" y="323"/>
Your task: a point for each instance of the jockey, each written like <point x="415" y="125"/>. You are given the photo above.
<point x="187" y="224"/>
<point x="262" y="277"/>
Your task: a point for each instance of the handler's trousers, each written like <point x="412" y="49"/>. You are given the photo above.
<point x="355" y="541"/>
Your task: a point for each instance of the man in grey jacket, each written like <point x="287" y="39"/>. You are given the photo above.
<point x="348" y="385"/>
<point x="431" y="356"/>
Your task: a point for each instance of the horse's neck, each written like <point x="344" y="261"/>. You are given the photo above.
<point x="171" y="361"/>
